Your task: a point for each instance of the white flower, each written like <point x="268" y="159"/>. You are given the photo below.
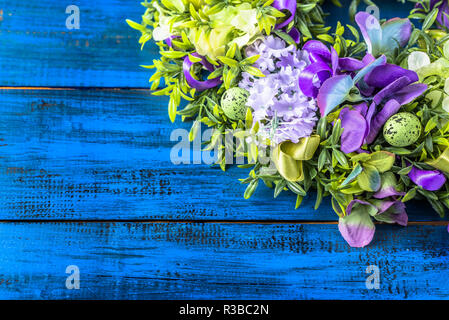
<point x="417" y="60"/>
<point x="161" y="33"/>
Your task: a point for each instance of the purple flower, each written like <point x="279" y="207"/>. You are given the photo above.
<point x="282" y="110"/>
<point x="386" y="86"/>
<point x="290" y="6"/>
<point x="198" y="84"/>
<point x="385" y="38"/>
<point x="393" y="95"/>
<point x="325" y="63"/>
<point x="357" y="227"/>
<point x="388" y="187"/>
<point x="431" y="180"/>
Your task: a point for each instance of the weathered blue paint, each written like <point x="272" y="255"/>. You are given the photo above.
<point x="76" y="154"/>
<point x="387" y="10"/>
<point x="38" y="50"/>
<point x="219" y="261"/>
<point x="93" y="154"/>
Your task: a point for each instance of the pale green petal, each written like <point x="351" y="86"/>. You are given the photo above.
<point x="446" y="86"/>
<point x="439" y="67"/>
<point x="446" y="50"/>
<point x="446" y="104"/>
<point x="179" y="5"/>
<point x="435" y="97"/>
<point x="246" y="20"/>
<point x="417" y="60"/>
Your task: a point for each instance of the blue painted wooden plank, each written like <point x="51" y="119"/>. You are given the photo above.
<point x="94" y="154"/>
<point x="219" y="261"/>
<point x="38" y="50"/>
<point x="387" y="9"/>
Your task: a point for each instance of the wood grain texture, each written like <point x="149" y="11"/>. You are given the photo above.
<point x="38" y="50"/>
<point x="103" y="155"/>
<point x="96" y="154"/>
<point x="218" y="261"/>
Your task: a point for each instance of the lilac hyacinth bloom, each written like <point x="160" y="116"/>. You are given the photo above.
<point x="281" y="108"/>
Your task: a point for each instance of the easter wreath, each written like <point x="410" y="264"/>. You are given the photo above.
<point x="363" y="119"/>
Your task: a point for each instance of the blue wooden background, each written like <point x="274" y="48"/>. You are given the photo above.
<point x="86" y="180"/>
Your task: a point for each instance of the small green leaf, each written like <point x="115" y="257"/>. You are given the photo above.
<point x="172" y="109"/>
<point x="231" y="51"/>
<point x="326" y="37"/>
<point x="280" y="185"/>
<point x="355" y="172"/>
<point x="354" y="32"/>
<point x="296" y="188"/>
<point x="340" y="157"/>
<point x="135" y="25"/>
<point x="321" y="128"/>
<point x="322" y="160"/>
<point x="194" y="59"/>
<point x="369" y="179"/>
<point x="251" y="188"/>
<point x="319" y="195"/>
<point x="405" y="171"/>
<point x="194" y="130"/>
<point x="228" y="61"/>
<point x="173" y="54"/>
<point x="253" y="71"/>
<point x="381" y="160"/>
<point x="430" y="19"/>
<point x="298" y="201"/>
<point x="431" y="124"/>
<point x="336" y="132"/>
<point x="250" y="60"/>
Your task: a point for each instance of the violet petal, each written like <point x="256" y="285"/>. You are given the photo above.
<point x="362" y="108"/>
<point x="306" y="78"/>
<point x="197" y="84"/>
<point x="318" y="52"/>
<point x="350" y="64"/>
<point x="295" y="34"/>
<point x="393" y="87"/>
<point x="396" y="32"/>
<point x="388" y="187"/>
<point x="389" y="109"/>
<point x="289" y="5"/>
<point x="333" y="92"/>
<point x="354" y="125"/>
<point x="371" y="31"/>
<point x="356" y="227"/>
<point x="382" y="76"/>
<point x="409" y="93"/>
<point x="391" y="211"/>
<point x="431" y="180"/>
